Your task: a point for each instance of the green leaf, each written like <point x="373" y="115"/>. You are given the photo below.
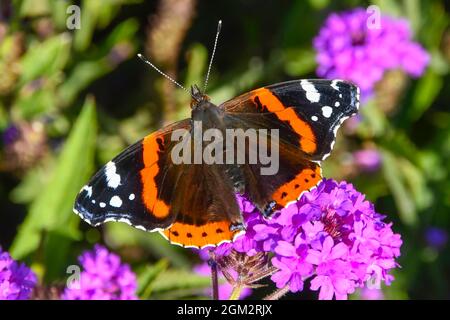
<point x="88" y="20"/>
<point x="299" y="62"/>
<point x="83" y="74"/>
<point x="374" y="121"/>
<point x="34" y="8"/>
<point x="52" y="209"/>
<point x="121" y="234"/>
<point x="29" y="187"/>
<point x="46" y="58"/>
<point x="179" y="280"/>
<point x="428" y="88"/>
<point x="403" y="198"/>
<point x="417" y="183"/>
<point x="319" y="4"/>
<point x="148" y="275"/>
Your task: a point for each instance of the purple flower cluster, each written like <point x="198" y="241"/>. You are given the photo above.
<point x="352" y="45"/>
<point x="104" y="277"/>
<point x="331" y="236"/>
<point x="17" y="281"/>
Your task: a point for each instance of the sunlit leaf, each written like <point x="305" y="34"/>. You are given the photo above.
<point x="53" y="207"/>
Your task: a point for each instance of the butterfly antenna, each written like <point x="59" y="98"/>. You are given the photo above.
<point x="219" y="26"/>
<point x="162" y="73"/>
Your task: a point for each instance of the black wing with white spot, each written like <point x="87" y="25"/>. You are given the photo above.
<point x="136" y="187"/>
<point x="308" y="113"/>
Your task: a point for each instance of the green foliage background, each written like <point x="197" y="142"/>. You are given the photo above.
<point x="92" y="97"/>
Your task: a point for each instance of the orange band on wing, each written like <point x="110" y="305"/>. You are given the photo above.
<point x="152" y="145"/>
<point x="211" y="233"/>
<point x="285" y="113"/>
<point x="291" y="190"/>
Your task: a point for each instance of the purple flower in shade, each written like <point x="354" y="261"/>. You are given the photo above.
<point x="104" y="277"/>
<point x="331" y="236"/>
<point x="11" y="134"/>
<point x="225" y="289"/>
<point x="436" y="237"/>
<point x="348" y="48"/>
<point x="17" y="281"/>
<point x="368" y="160"/>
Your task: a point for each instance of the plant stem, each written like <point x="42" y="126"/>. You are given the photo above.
<point x="236" y="293"/>
<point x="277" y="294"/>
<point x="214" y="278"/>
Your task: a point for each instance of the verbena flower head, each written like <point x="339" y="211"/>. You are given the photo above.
<point x="104" y="277"/>
<point x="331" y="236"/>
<point x="350" y="48"/>
<point x="17" y="281"/>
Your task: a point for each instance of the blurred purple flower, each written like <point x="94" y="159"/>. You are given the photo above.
<point x="372" y="294"/>
<point x="347" y="48"/>
<point x="225" y="289"/>
<point x="332" y="236"/>
<point x="11" y="134"/>
<point x="17" y="281"/>
<point x="436" y="237"/>
<point x="104" y="277"/>
<point x="368" y="160"/>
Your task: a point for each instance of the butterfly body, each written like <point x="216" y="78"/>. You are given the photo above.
<point x="193" y="202"/>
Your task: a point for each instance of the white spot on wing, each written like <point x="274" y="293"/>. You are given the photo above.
<point x="334" y="84"/>
<point x="102" y="204"/>
<point x="337" y="104"/>
<point x="314" y="118"/>
<point x="327" y="111"/>
<point x="112" y="178"/>
<point x="131" y="196"/>
<point x="115" y="202"/>
<point x="88" y="189"/>
<point x="311" y="92"/>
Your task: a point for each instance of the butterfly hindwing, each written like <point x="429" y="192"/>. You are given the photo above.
<point x="294" y="172"/>
<point x="205" y="206"/>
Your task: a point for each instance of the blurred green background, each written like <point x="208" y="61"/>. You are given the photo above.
<point x="70" y="100"/>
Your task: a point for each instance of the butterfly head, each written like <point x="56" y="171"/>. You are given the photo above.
<point x="197" y="96"/>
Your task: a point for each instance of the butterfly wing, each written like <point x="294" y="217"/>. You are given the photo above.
<point x="206" y="208"/>
<point x="134" y="187"/>
<point x="191" y="205"/>
<point x="307" y="114"/>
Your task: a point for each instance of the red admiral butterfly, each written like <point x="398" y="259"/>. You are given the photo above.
<point x="194" y="205"/>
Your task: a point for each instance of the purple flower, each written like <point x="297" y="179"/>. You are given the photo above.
<point x="368" y="160"/>
<point x="331" y="236"/>
<point x="436" y="237"/>
<point x="11" y="134"/>
<point x="17" y="281"/>
<point x="104" y="277"/>
<point x="225" y="289"/>
<point x="349" y="48"/>
<point x="372" y="294"/>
